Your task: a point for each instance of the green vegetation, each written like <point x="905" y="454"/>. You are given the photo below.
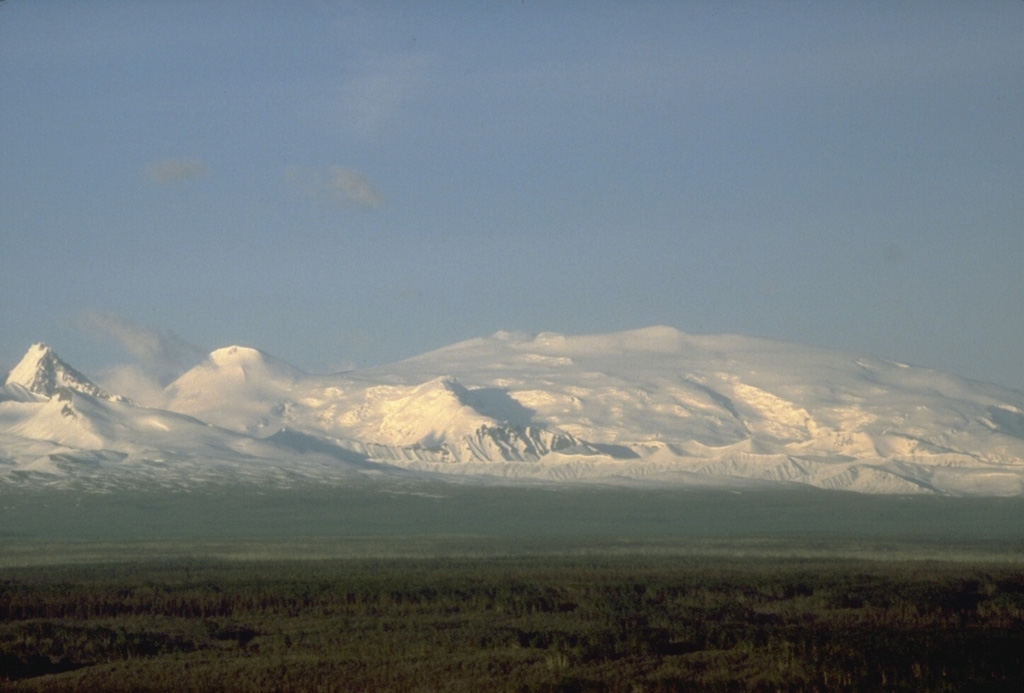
<point x="442" y="509"/>
<point x="603" y="621"/>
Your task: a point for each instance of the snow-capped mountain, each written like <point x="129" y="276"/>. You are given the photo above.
<point x="42" y="372"/>
<point x="653" y="406"/>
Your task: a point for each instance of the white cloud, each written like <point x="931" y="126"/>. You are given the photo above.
<point x="174" y="171"/>
<point x="336" y="184"/>
<point x="159" y="356"/>
<point x="134" y="382"/>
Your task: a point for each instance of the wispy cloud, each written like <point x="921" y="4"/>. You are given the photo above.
<point x="173" y="171"/>
<point x="134" y="382"/>
<point x="334" y="184"/>
<point x="380" y="91"/>
<point x="159" y="356"/>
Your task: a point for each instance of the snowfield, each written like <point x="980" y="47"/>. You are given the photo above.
<point x="651" y="407"/>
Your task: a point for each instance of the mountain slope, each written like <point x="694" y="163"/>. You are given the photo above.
<point x="78" y="440"/>
<point x="235" y="387"/>
<point x="653" y="406"/>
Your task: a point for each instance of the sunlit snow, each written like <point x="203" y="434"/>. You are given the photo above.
<point x="653" y="407"/>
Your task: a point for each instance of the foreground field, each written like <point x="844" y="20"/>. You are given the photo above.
<point x="605" y="620"/>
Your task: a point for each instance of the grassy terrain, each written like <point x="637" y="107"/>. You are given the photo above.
<point x="546" y="617"/>
<point x="435" y="508"/>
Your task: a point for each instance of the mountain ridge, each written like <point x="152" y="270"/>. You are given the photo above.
<point x="654" y="406"/>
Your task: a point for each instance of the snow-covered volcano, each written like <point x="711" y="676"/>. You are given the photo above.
<point x="653" y="406"/>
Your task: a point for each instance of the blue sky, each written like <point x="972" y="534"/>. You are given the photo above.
<point x="348" y="184"/>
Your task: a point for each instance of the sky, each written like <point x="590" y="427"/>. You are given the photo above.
<point x="350" y="184"/>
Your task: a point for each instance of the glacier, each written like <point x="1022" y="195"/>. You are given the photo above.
<point x="653" y="407"/>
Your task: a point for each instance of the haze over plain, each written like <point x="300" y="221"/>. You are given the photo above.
<point x="348" y="184"/>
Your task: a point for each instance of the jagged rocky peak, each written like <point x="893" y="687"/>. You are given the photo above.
<point x="43" y="372"/>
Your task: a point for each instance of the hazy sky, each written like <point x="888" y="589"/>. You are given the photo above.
<point x="347" y="184"/>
